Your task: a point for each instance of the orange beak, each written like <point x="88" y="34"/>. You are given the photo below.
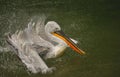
<point x="61" y="35"/>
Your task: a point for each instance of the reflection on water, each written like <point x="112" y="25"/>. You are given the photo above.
<point x="94" y="24"/>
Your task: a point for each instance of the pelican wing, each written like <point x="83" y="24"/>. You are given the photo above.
<point x="27" y="54"/>
<point x="26" y="45"/>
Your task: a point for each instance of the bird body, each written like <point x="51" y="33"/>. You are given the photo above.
<point x="38" y="38"/>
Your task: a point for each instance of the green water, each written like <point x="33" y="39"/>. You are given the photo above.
<point x="94" y="23"/>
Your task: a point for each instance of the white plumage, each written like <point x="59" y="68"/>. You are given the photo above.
<point x="37" y="39"/>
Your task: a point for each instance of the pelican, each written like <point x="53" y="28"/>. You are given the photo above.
<point x="39" y="41"/>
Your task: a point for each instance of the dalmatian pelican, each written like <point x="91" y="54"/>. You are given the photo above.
<point x="38" y="42"/>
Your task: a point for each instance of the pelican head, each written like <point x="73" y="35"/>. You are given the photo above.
<point x="54" y="29"/>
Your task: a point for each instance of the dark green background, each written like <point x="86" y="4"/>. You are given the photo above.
<point x="94" y="23"/>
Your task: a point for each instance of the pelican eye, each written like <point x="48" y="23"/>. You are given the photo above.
<point x="56" y="29"/>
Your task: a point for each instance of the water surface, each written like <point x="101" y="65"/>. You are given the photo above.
<point x="95" y="24"/>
